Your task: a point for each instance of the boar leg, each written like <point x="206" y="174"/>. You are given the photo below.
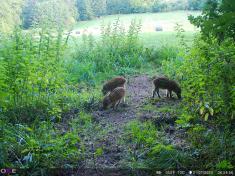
<point x="154" y="91"/>
<point x="113" y="105"/>
<point x="118" y="103"/>
<point x="170" y="94"/>
<point x="158" y="93"/>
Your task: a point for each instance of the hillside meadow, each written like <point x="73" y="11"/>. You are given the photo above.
<point x="149" y="21"/>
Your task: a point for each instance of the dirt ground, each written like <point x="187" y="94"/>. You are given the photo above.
<point x="139" y="92"/>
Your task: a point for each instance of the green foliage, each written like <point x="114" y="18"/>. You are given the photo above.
<point x="167" y="157"/>
<point x="166" y="53"/>
<point x="206" y="74"/>
<point x="88" y="9"/>
<point x="210" y="67"/>
<point x="224" y="165"/>
<point x="196" y="4"/>
<point x="118" y="6"/>
<point x="33" y="74"/>
<point x="28" y="13"/>
<point x="99" y="7"/>
<point x="147" y="149"/>
<point x="40" y="145"/>
<point x="51" y="14"/>
<point x="45" y="98"/>
<point x="140" y="138"/>
<point x="142" y="135"/>
<point x="217" y="20"/>
<point x="200" y="69"/>
<point x="206" y="63"/>
<point x="85" y="9"/>
<point x="55" y="13"/>
<point x="212" y="144"/>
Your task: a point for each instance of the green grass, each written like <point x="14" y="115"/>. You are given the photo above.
<point x="148" y="35"/>
<point x="158" y="39"/>
<point x="175" y="16"/>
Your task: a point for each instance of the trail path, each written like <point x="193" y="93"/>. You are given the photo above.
<point x="139" y="92"/>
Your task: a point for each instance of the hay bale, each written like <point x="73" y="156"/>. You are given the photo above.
<point x="158" y="28"/>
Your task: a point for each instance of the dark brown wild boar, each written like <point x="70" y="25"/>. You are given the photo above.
<point x="165" y="83"/>
<point x="113" y="83"/>
<point x="114" y="98"/>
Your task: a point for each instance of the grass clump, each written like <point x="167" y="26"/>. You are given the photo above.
<point x="146" y="147"/>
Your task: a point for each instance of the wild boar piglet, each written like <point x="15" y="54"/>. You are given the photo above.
<point x="114" y="98"/>
<point x="165" y="83"/>
<point x="113" y="83"/>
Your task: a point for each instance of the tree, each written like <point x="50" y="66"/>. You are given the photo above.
<point x="217" y="20"/>
<point x="55" y="13"/>
<point x="196" y="4"/>
<point x="28" y="14"/>
<point x="140" y="6"/>
<point x="85" y="10"/>
<point x="118" y="6"/>
<point x="99" y="7"/>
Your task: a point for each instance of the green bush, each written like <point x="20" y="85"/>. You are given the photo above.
<point x="206" y="74"/>
<point x="33" y="73"/>
<point x="40" y="145"/>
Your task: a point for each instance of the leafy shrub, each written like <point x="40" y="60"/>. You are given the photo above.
<point x="217" y="20"/>
<point x="206" y="74"/>
<point x="161" y="54"/>
<point x="41" y="145"/>
<point x="34" y="73"/>
<point x="213" y="145"/>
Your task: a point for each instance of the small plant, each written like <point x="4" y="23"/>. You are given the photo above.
<point x="224" y="165"/>
<point x="41" y="146"/>
<point x="146" y="149"/>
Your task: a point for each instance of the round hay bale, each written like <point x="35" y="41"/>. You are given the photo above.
<point x="158" y="28"/>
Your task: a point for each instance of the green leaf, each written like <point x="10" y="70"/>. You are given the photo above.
<point x="206" y="116"/>
<point x="202" y="110"/>
<point x="25" y="151"/>
<point x="98" y="152"/>
<point x="211" y="111"/>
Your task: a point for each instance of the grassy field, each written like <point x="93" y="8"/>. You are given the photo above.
<point x="149" y="21"/>
<point x="158" y="39"/>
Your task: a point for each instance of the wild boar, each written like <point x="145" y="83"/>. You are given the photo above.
<point x="165" y="83"/>
<point x="113" y="83"/>
<point x="114" y="98"/>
